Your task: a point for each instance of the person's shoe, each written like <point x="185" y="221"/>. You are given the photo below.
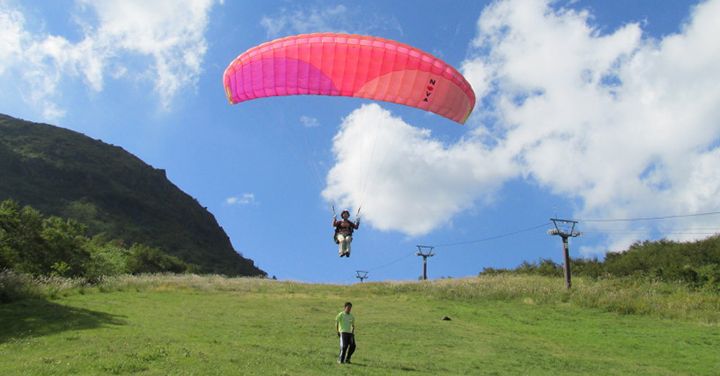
<point x="347" y="361"/>
<point x="339" y="361"/>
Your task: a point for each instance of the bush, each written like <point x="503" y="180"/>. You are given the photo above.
<point x="63" y="243"/>
<point x="15" y="286"/>
<point x="33" y="244"/>
<point x="143" y="259"/>
<point x="53" y="246"/>
<point x="548" y="268"/>
<point x="106" y="259"/>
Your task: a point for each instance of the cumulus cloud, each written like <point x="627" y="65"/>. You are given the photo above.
<point x="626" y="124"/>
<point x="403" y="178"/>
<point x="338" y="18"/>
<point x="168" y="34"/>
<point x="244" y="199"/>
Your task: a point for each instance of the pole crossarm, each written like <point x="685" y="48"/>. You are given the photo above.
<point x="425" y="251"/>
<point x="565" y="234"/>
<point x="361" y="275"/>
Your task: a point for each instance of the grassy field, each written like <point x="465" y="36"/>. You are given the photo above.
<point x="190" y="325"/>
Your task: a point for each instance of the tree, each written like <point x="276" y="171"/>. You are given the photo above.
<point x="9" y="222"/>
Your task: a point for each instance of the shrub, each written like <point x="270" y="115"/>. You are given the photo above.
<point x="143" y="259"/>
<point x="16" y="286"/>
<point x="106" y="259"/>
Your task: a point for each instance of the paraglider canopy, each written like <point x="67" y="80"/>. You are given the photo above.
<point x="353" y="66"/>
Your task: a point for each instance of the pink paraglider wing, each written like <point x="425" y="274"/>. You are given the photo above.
<point x="352" y="66"/>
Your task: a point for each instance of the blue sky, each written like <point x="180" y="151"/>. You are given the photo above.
<point x="587" y="109"/>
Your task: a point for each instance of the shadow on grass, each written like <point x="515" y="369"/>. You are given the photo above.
<point x="37" y="317"/>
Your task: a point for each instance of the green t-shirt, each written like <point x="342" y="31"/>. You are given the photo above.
<point x="345" y="322"/>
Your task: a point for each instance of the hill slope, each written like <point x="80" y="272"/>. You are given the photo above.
<point x="219" y="326"/>
<point x="65" y="173"/>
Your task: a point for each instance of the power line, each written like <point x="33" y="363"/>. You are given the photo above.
<point x="697" y="231"/>
<point x="392" y="262"/>
<point x="648" y="218"/>
<point x="643" y="231"/>
<point x="623" y="226"/>
<point x="500" y="236"/>
<point x="511" y="233"/>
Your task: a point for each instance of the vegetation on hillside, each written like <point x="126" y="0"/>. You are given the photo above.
<point x="112" y="192"/>
<point x="696" y="264"/>
<point x="41" y="246"/>
<point x="618" y="295"/>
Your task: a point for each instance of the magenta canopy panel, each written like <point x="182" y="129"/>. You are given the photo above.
<point x="352" y="66"/>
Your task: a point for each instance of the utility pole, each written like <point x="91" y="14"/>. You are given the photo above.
<point x="566" y="248"/>
<point x="425" y="251"/>
<point x="361" y="275"/>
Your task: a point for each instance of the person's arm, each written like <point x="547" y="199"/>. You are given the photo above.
<point x="337" y="325"/>
<point x="356" y="225"/>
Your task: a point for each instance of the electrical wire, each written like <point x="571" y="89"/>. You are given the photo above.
<point x="500" y="236"/>
<point x="392" y="262"/>
<point x="648" y="218"/>
<point x="445" y="245"/>
<point x="596" y="220"/>
<point x="630" y="232"/>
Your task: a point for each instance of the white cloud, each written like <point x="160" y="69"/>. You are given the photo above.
<point x="169" y="35"/>
<point x="305" y="20"/>
<point x="11" y="34"/>
<point x="403" y="179"/>
<point x="309" y="121"/>
<point x="627" y="125"/>
<point x="338" y="18"/>
<point x="244" y="199"/>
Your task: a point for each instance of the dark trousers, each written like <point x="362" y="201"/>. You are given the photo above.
<point x="347" y="346"/>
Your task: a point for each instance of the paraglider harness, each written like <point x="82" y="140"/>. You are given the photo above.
<point x="337" y="231"/>
<point x="335" y="236"/>
<point x="337" y="228"/>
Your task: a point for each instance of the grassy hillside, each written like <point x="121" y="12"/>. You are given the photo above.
<point x="64" y="173"/>
<point x="184" y="325"/>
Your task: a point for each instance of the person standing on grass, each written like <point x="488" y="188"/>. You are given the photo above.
<point x="345" y="327"/>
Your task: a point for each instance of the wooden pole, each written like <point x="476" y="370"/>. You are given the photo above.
<point x="566" y="263"/>
<point x="425" y="251"/>
<point x="566" y="246"/>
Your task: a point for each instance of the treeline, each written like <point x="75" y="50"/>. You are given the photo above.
<point x="40" y="245"/>
<point x="694" y="263"/>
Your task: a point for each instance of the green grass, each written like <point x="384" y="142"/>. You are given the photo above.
<point x="189" y="325"/>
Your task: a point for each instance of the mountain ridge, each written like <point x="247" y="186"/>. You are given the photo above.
<point x="65" y="173"/>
